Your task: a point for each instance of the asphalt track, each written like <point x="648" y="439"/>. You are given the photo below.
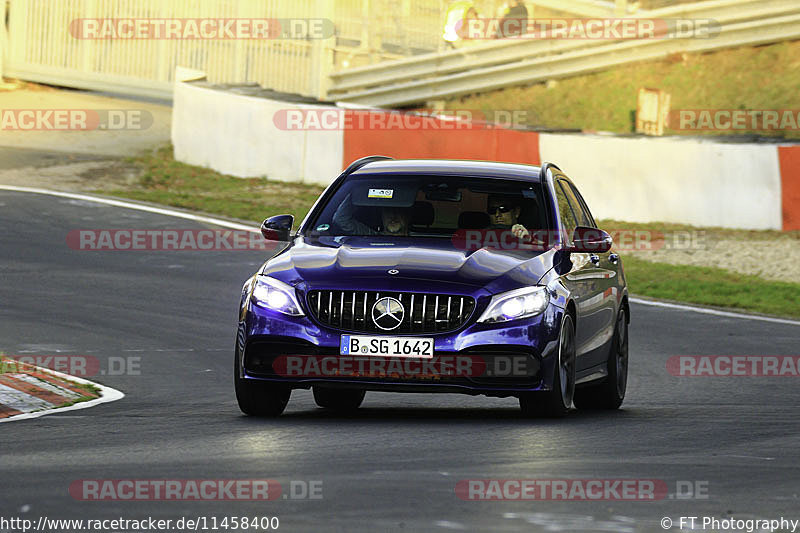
<point x="394" y="465"/>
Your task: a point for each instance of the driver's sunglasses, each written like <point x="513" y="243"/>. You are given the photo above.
<point x="501" y="208"/>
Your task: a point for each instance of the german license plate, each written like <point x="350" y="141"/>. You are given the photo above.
<point x="417" y="347"/>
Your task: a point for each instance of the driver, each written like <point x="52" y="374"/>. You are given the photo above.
<point x="504" y="214"/>
<point x="394" y="220"/>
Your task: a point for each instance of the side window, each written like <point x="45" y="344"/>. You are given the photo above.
<point x="580" y="215"/>
<point x="585" y="207"/>
<point x="568" y="221"/>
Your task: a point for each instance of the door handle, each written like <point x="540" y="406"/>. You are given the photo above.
<point x="594" y="259"/>
<point x="614" y="258"/>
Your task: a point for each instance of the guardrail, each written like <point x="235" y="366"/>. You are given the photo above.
<point x="581" y="8"/>
<point x="511" y="62"/>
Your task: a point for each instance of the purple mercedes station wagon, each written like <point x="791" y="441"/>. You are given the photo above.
<point x="437" y="276"/>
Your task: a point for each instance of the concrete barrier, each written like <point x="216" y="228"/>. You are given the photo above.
<point x="237" y="135"/>
<point x="689" y="181"/>
<point x="638" y="179"/>
<point x="789" y="158"/>
<point x="432" y="138"/>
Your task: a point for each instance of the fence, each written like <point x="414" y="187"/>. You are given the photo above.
<point x="351" y="65"/>
<point x="3" y="36"/>
<point x="41" y="48"/>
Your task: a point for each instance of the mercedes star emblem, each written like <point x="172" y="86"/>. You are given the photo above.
<point x="388" y="313"/>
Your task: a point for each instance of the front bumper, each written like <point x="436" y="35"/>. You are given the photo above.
<point x="495" y="360"/>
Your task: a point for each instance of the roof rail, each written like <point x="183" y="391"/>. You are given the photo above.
<point x="358" y="163"/>
<point x="545" y="167"/>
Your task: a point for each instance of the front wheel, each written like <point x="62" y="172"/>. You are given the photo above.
<point x="556" y="402"/>
<point x="610" y="393"/>
<point x="258" y="398"/>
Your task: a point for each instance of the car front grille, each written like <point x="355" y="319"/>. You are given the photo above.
<point x="424" y="313"/>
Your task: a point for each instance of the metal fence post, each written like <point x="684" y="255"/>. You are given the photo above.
<point x="322" y="54"/>
<point x="88" y="48"/>
<point x="3" y="37"/>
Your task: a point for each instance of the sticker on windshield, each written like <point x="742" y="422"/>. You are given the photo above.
<point x="380" y="193"/>
<point x="323" y="227"/>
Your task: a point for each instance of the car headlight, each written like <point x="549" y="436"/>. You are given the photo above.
<point x="276" y="295"/>
<point x="520" y="303"/>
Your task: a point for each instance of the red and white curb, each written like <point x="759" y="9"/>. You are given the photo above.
<point x="38" y="391"/>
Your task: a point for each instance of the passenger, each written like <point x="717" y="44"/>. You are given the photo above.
<point x="394" y="220"/>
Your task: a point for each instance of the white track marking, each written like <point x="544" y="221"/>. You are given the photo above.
<point x="715" y="312"/>
<point x="139" y="207"/>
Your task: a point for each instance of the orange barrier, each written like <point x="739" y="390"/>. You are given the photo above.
<point x="789" y="160"/>
<point x="423" y="140"/>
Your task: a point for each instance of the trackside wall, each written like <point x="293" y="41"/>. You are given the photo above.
<point x="639" y="179"/>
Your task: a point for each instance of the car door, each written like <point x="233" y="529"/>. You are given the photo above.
<point x="579" y="277"/>
<point x="601" y="306"/>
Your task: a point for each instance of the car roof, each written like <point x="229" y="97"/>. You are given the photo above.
<point x="451" y="167"/>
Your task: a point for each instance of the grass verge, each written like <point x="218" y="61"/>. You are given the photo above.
<point x="166" y="181"/>
<point x="709" y="233"/>
<point x="760" y="77"/>
<point x="709" y="286"/>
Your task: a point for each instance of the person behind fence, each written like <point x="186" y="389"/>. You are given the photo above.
<point x="514" y="21"/>
<point x="457" y="21"/>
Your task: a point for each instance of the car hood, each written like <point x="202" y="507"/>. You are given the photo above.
<point x="421" y="264"/>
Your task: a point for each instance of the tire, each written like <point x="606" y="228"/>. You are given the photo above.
<point x="259" y="398"/>
<point x="556" y="402"/>
<point x="342" y="400"/>
<point x="611" y="392"/>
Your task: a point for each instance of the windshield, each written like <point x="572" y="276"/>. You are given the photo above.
<point x="431" y="206"/>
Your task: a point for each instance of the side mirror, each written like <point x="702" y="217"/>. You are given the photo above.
<point x="590" y="240"/>
<point x="277" y="228"/>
